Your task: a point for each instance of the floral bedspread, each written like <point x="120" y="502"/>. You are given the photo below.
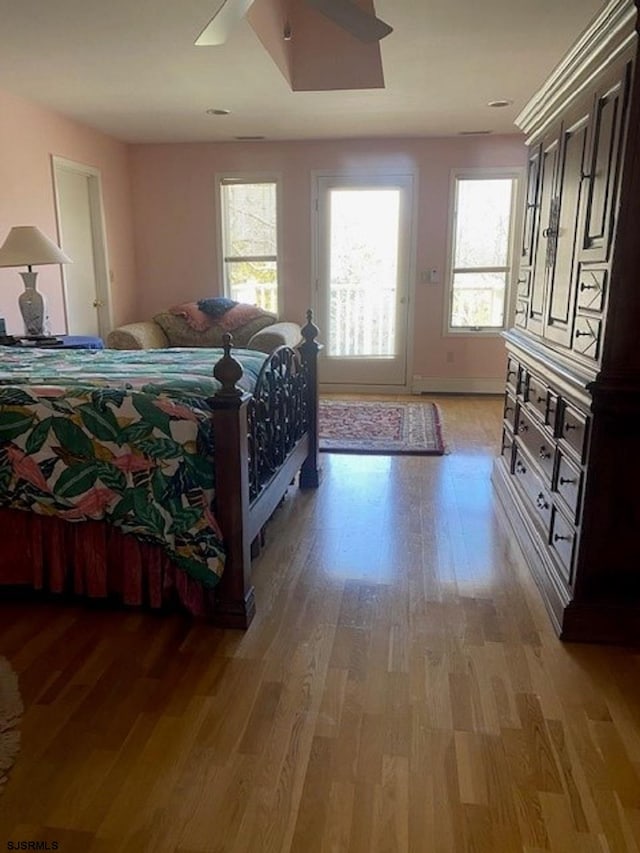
<point x="121" y="436"/>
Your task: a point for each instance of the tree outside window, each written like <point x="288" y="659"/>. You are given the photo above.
<point x="250" y="241"/>
<point x="481" y="263"/>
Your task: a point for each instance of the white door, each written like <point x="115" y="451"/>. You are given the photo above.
<point x="81" y="234"/>
<point x="363" y="273"/>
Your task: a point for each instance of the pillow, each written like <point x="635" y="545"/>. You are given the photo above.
<point x="216" y="306"/>
<point x="241" y="314"/>
<point x="180" y="334"/>
<point x="197" y="319"/>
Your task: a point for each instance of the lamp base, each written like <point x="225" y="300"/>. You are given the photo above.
<point x="33" y="307"/>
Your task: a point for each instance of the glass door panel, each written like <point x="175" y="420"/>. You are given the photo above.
<point x="363" y="243"/>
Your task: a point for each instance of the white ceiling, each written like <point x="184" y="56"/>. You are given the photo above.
<point x="130" y="68"/>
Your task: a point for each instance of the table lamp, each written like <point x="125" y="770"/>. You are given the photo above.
<point x="27" y="246"/>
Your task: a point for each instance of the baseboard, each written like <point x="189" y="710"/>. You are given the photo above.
<point x="422" y="385"/>
<point x="336" y="388"/>
<point x="456" y="385"/>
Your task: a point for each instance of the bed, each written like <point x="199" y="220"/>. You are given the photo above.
<point x="148" y="476"/>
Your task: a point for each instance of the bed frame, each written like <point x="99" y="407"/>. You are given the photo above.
<point x="260" y="447"/>
<point x="261" y="441"/>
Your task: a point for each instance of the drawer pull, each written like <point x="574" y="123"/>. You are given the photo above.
<point x="580" y="334"/>
<point x="520" y="311"/>
<point x="510" y="373"/>
<point x="564" y="481"/>
<point x="508" y="409"/>
<point x="584" y="287"/>
<point x="558" y="538"/>
<point x="544" y="453"/>
<point x="541" y="503"/>
<point x="523" y="428"/>
<point x="540" y="399"/>
<point x="522" y="279"/>
<point x="520" y="468"/>
<point x="550" y="232"/>
<point x="568" y="427"/>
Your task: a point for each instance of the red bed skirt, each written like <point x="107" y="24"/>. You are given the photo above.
<point x="94" y="560"/>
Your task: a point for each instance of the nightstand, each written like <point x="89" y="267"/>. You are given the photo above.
<point x="79" y="342"/>
<point x="55" y="342"/>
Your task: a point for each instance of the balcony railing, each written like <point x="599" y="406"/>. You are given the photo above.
<point x="257" y="293"/>
<point x="363" y="320"/>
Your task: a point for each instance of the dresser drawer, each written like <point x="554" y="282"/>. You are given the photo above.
<point x="510" y="409"/>
<point x="524" y="284"/>
<point x="561" y="541"/>
<point x="523" y="378"/>
<point x="506" y="448"/>
<point x="573" y="429"/>
<point x="531" y="485"/>
<point x="591" y="285"/>
<point x="513" y="374"/>
<point x="552" y="411"/>
<point x="540" y="446"/>
<point x="538" y="396"/>
<point x="520" y="318"/>
<point x="586" y="337"/>
<point x="569" y="484"/>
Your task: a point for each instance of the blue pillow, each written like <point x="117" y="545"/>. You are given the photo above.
<point x="216" y="306"/>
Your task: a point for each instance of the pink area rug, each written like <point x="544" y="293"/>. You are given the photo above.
<point x="351" y="426"/>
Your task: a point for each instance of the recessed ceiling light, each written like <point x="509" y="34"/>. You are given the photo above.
<point x="216" y="112"/>
<point x="473" y="132"/>
<point x="500" y="102"/>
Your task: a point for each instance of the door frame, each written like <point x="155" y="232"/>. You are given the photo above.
<point x="374" y="176"/>
<point x="98" y="234"/>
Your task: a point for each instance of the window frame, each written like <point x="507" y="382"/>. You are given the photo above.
<point x="516" y="174"/>
<point x="226" y="178"/>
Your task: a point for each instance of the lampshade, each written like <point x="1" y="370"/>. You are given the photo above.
<point x="26" y="245"/>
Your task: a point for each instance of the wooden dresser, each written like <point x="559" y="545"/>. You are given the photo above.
<point x="569" y="472"/>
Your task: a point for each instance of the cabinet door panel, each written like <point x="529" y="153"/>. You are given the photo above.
<point x="548" y="163"/>
<point x="531" y="208"/>
<point x="603" y="167"/>
<point x="563" y="255"/>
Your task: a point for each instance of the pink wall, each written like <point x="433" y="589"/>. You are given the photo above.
<point x="174" y="215"/>
<point x="29" y="135"/>
<point x="160" y="211"/>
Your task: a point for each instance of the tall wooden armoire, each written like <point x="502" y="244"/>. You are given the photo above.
<point x="569" y="472"/>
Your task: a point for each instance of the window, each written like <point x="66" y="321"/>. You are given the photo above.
<point x="249" y="221"/>
<point x="483" y="223"/>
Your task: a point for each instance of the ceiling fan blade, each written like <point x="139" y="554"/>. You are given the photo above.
<point x="218" y="29"/>
<point x="349" y="16"/>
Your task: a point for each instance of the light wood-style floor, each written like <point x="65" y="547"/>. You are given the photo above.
<point x="401" y="689"/>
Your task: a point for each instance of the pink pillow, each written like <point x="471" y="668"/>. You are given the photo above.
<point x="196" y="319"/>
<point x="240" y="315"/>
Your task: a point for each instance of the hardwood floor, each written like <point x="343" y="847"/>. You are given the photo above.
<point x="400" y="689"/>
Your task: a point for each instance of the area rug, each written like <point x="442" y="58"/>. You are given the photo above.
<point x="353" y="426"/>
<point x="10" y="714"/>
